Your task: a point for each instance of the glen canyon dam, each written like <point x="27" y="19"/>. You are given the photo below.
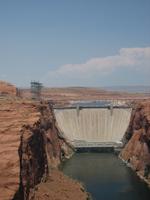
<point x="94" y="126"/>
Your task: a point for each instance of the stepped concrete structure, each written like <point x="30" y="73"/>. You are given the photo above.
<point x="93" y="127"/>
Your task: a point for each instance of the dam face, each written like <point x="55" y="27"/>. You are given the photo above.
<point x="93" y="126"/>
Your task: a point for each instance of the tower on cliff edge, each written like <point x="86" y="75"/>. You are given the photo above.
<point x="36" y="88"/>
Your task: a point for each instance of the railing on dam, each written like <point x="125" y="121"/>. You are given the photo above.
<point x="83" y="107"/>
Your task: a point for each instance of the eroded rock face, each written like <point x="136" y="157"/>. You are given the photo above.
<point x="61" y="187"/>
<point x="30" y="145"/>
<point x="13" y="115"/>
<point x="137" y="139"/>
<point x="7" y="89"/>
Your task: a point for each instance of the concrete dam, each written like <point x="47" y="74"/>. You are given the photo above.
<point x="93" y="127"/>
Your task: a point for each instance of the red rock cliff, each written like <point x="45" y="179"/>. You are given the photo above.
<point x="137" y="139"/>
<point x="30" y="145"/>
<point x="7" y="89"/>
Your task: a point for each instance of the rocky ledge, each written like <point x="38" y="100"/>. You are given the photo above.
<point x="136" y="152"/>
<point x="31" y="146"/>
<point x="7" y="89"/>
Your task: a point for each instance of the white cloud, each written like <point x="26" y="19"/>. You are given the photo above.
<point x="137" y="59"/>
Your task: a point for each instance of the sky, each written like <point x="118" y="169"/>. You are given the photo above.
<point x="61" y="43"/>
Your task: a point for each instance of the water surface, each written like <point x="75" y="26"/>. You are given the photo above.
<point x="106" y="177"/>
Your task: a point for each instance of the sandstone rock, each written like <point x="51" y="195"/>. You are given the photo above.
<point x="29" y="147"/>
<point x="7" y="89"/>
<point x="62" y="187"/>
<point x="137" y="139"/>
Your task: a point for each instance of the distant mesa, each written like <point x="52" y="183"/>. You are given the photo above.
<point x="7" y="89"/>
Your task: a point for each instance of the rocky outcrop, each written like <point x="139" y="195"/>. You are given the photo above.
<point x="30" y="145"/>
<point x="61" y="187"/>
<point x="7" y="89"/>
<point x="136" y="151"/>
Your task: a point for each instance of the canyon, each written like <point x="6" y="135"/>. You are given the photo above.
<point x="32" y="145"/>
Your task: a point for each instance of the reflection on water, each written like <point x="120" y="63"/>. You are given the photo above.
<point x="106" y="177"/>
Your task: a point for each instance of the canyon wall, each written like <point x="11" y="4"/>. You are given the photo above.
<point x="136" y="151"/>
<point x="30" y="146"/>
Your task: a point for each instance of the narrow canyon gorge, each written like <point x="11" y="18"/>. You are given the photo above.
<point x="32" y="147"/>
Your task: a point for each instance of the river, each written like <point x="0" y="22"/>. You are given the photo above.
<point x="106" y="177"/>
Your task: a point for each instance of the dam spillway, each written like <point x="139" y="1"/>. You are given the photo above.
<point x="93" y="127"/>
